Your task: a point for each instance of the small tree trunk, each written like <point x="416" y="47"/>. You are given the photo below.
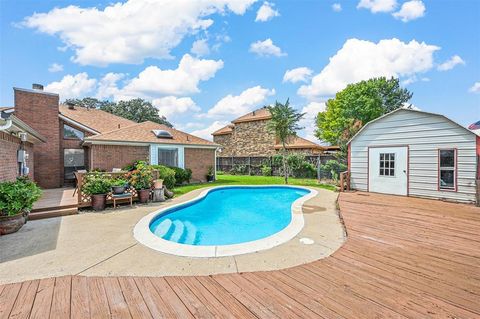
<point x="285" y="162"/>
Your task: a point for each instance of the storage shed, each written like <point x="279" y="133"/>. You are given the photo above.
<point x="415" y="153"/>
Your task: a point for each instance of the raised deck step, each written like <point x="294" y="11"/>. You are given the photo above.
<point x="53" y="213"/>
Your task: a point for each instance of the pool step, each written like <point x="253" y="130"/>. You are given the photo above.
<point x="163" y="228"/>
<point x="190" y="233"/>
<point x="179" y="228"/>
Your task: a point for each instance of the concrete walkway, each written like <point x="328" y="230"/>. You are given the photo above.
<point x="102" y="244"/>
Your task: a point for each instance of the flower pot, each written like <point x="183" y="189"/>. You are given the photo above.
<point x="99" y="201"/>
<point x="143" y="195"/>
<point x="210" y="178"/>
<point x="11" y="224"/>
<point x="158" y="183"/>
<point x="118" y="189"/>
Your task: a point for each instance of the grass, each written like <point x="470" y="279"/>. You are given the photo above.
<point x="251" y="180"/>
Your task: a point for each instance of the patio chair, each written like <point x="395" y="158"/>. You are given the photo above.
<point x="76" y="179"/>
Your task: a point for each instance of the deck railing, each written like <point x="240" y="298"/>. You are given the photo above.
<point x="84" y="200"/>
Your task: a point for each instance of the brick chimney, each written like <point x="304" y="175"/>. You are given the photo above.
<point x="39" y="109"/>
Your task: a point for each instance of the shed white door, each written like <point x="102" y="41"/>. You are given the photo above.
<point x="387" y="170"/>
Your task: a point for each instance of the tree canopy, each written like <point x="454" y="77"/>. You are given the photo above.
<point x="357" y="105"/>
<point x="137" y="110"/>
<point x="284" y="124"/>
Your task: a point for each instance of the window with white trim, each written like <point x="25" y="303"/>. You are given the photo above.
<point x="447" y="169"/>
<point x="168" y="157"/>
<point x="387" y="164"/>
<point x="71" y="133"/>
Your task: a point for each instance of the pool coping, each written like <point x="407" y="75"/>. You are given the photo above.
<point x="142" y="233"/>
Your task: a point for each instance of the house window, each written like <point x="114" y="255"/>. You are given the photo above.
<point x="447" y="169"/>
<point x="72" y="133"/>
<point x="73" y="160"/>
<point x="387" y="164"/>
<point x="168" y="157"/>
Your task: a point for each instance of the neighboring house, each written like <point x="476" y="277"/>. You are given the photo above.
<point x="248" y="136"/>
<point x="84" y="138"/>
<point x="414" y="153"/>
<point x="17" y="141"/>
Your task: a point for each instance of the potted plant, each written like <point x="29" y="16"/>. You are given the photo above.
<point x="141" y="179"/>
<point x="210" y="174"/>
<point x="119" y="185"/>
<point x="16" y="201"/>
<point x="97" y="185"/>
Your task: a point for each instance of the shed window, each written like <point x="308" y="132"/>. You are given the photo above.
<point x="387" y="164"/>
<point x="168" y="157"/>
<point x="72" y="133"/>
<point x="447" y="169"/>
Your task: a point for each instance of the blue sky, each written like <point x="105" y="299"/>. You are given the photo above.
<point x="205" y="63"/>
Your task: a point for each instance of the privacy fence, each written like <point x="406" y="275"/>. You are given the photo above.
<point x="251" y="165"/>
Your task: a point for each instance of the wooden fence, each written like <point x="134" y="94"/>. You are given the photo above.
<point x="84" y="200"/>
<point x="251" y="165"/>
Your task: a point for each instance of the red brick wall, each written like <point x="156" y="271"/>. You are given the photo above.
<point x="40" y="111"/>
<point x="199" y="160"/>
<point x="107" y="157"/>
<point x="8" y="157"/>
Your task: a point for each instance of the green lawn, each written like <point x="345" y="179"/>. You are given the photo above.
<point x="251" y="180"/>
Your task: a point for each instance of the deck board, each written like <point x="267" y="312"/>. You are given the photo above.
<point x="404" y="257"/>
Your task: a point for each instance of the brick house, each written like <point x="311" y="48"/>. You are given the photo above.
<point x="248" y="136"/>
<point x="83" y="138"/>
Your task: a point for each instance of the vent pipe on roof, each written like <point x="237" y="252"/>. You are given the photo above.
<point x="37" y="86"/>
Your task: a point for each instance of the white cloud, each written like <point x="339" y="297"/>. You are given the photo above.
<point x="107" y="86"/>
<point x="200" y="48"/>
<point x="377" y="5"/>
<point x="361" y="60"/>
<point x="72" y="86"/>
<point x="266" y="48"/>
<point x="475" y="88"/>
<point x="413" y="79"/>
<point x="311" y="111"/>
<point x="236" y="105"/>
<point x="410" y="10"/>
<point x="170" y="105"/>
<point x="337" y="7"/>
<point x="206" y="132"/>
<point x="266" y="12"/>
<point x="131" y="31"/>
<point x="301" y="74"/>
<point x="55" y="67"/>
<point x="154" y="82"/>
<point x="451" y="63"/>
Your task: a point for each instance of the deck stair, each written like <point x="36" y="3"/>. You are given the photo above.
<point x="54" y="203"/>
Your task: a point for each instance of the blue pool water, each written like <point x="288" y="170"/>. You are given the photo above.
<point x="229" y="216"/>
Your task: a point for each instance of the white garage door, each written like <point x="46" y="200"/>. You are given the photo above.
<point x="387" y="171"/>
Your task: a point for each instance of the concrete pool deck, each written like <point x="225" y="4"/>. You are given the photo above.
<point x="102" y="244"/>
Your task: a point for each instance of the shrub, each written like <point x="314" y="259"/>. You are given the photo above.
<point x="239" y="169"/>
<point x="305" y="170"/>
<point x="142" y="177"/>
<point x="334" y="168"/>
<point x="167" y="174"/>
<point x="18" y="197"/>
<point x="210" y="173"/>
<point x="266" y="170"/>
<point x="96" y="183"/>
<point x="119" y="181"/>
<point x="182" y="175"/>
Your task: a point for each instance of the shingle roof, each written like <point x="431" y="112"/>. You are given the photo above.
<point x="143" y="133"/>
<point x="224" y="130"/>
<point x="95" y="119"/>
<point x="257" y="115"/>
<point x="299" y="142"/>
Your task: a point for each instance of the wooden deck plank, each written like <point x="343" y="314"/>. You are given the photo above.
<point x="404" y="257"/>
<point x="43" y="299"/>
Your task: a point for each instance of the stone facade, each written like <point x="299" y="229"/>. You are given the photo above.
<point x="199" y="160"/>
<point x="107" y="157"/>
<point x="40" y="111"/>
<point x="247" y="139"/>
<point x="8" y="157"/>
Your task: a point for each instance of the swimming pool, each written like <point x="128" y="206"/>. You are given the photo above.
<point x="226" y="221"/>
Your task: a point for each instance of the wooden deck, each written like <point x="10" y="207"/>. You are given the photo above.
<point x="55" y="202"/>
<point x="404" y="257"/>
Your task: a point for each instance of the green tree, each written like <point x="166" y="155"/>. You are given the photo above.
<point x="90" y="102"/>
<point x="284" y="124"/>
<point x="137" y="110"/>
<point x="357" y="105"/>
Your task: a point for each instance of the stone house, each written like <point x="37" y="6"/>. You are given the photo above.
<point x="248" y="136"/>
<point x="72" y="138"/>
